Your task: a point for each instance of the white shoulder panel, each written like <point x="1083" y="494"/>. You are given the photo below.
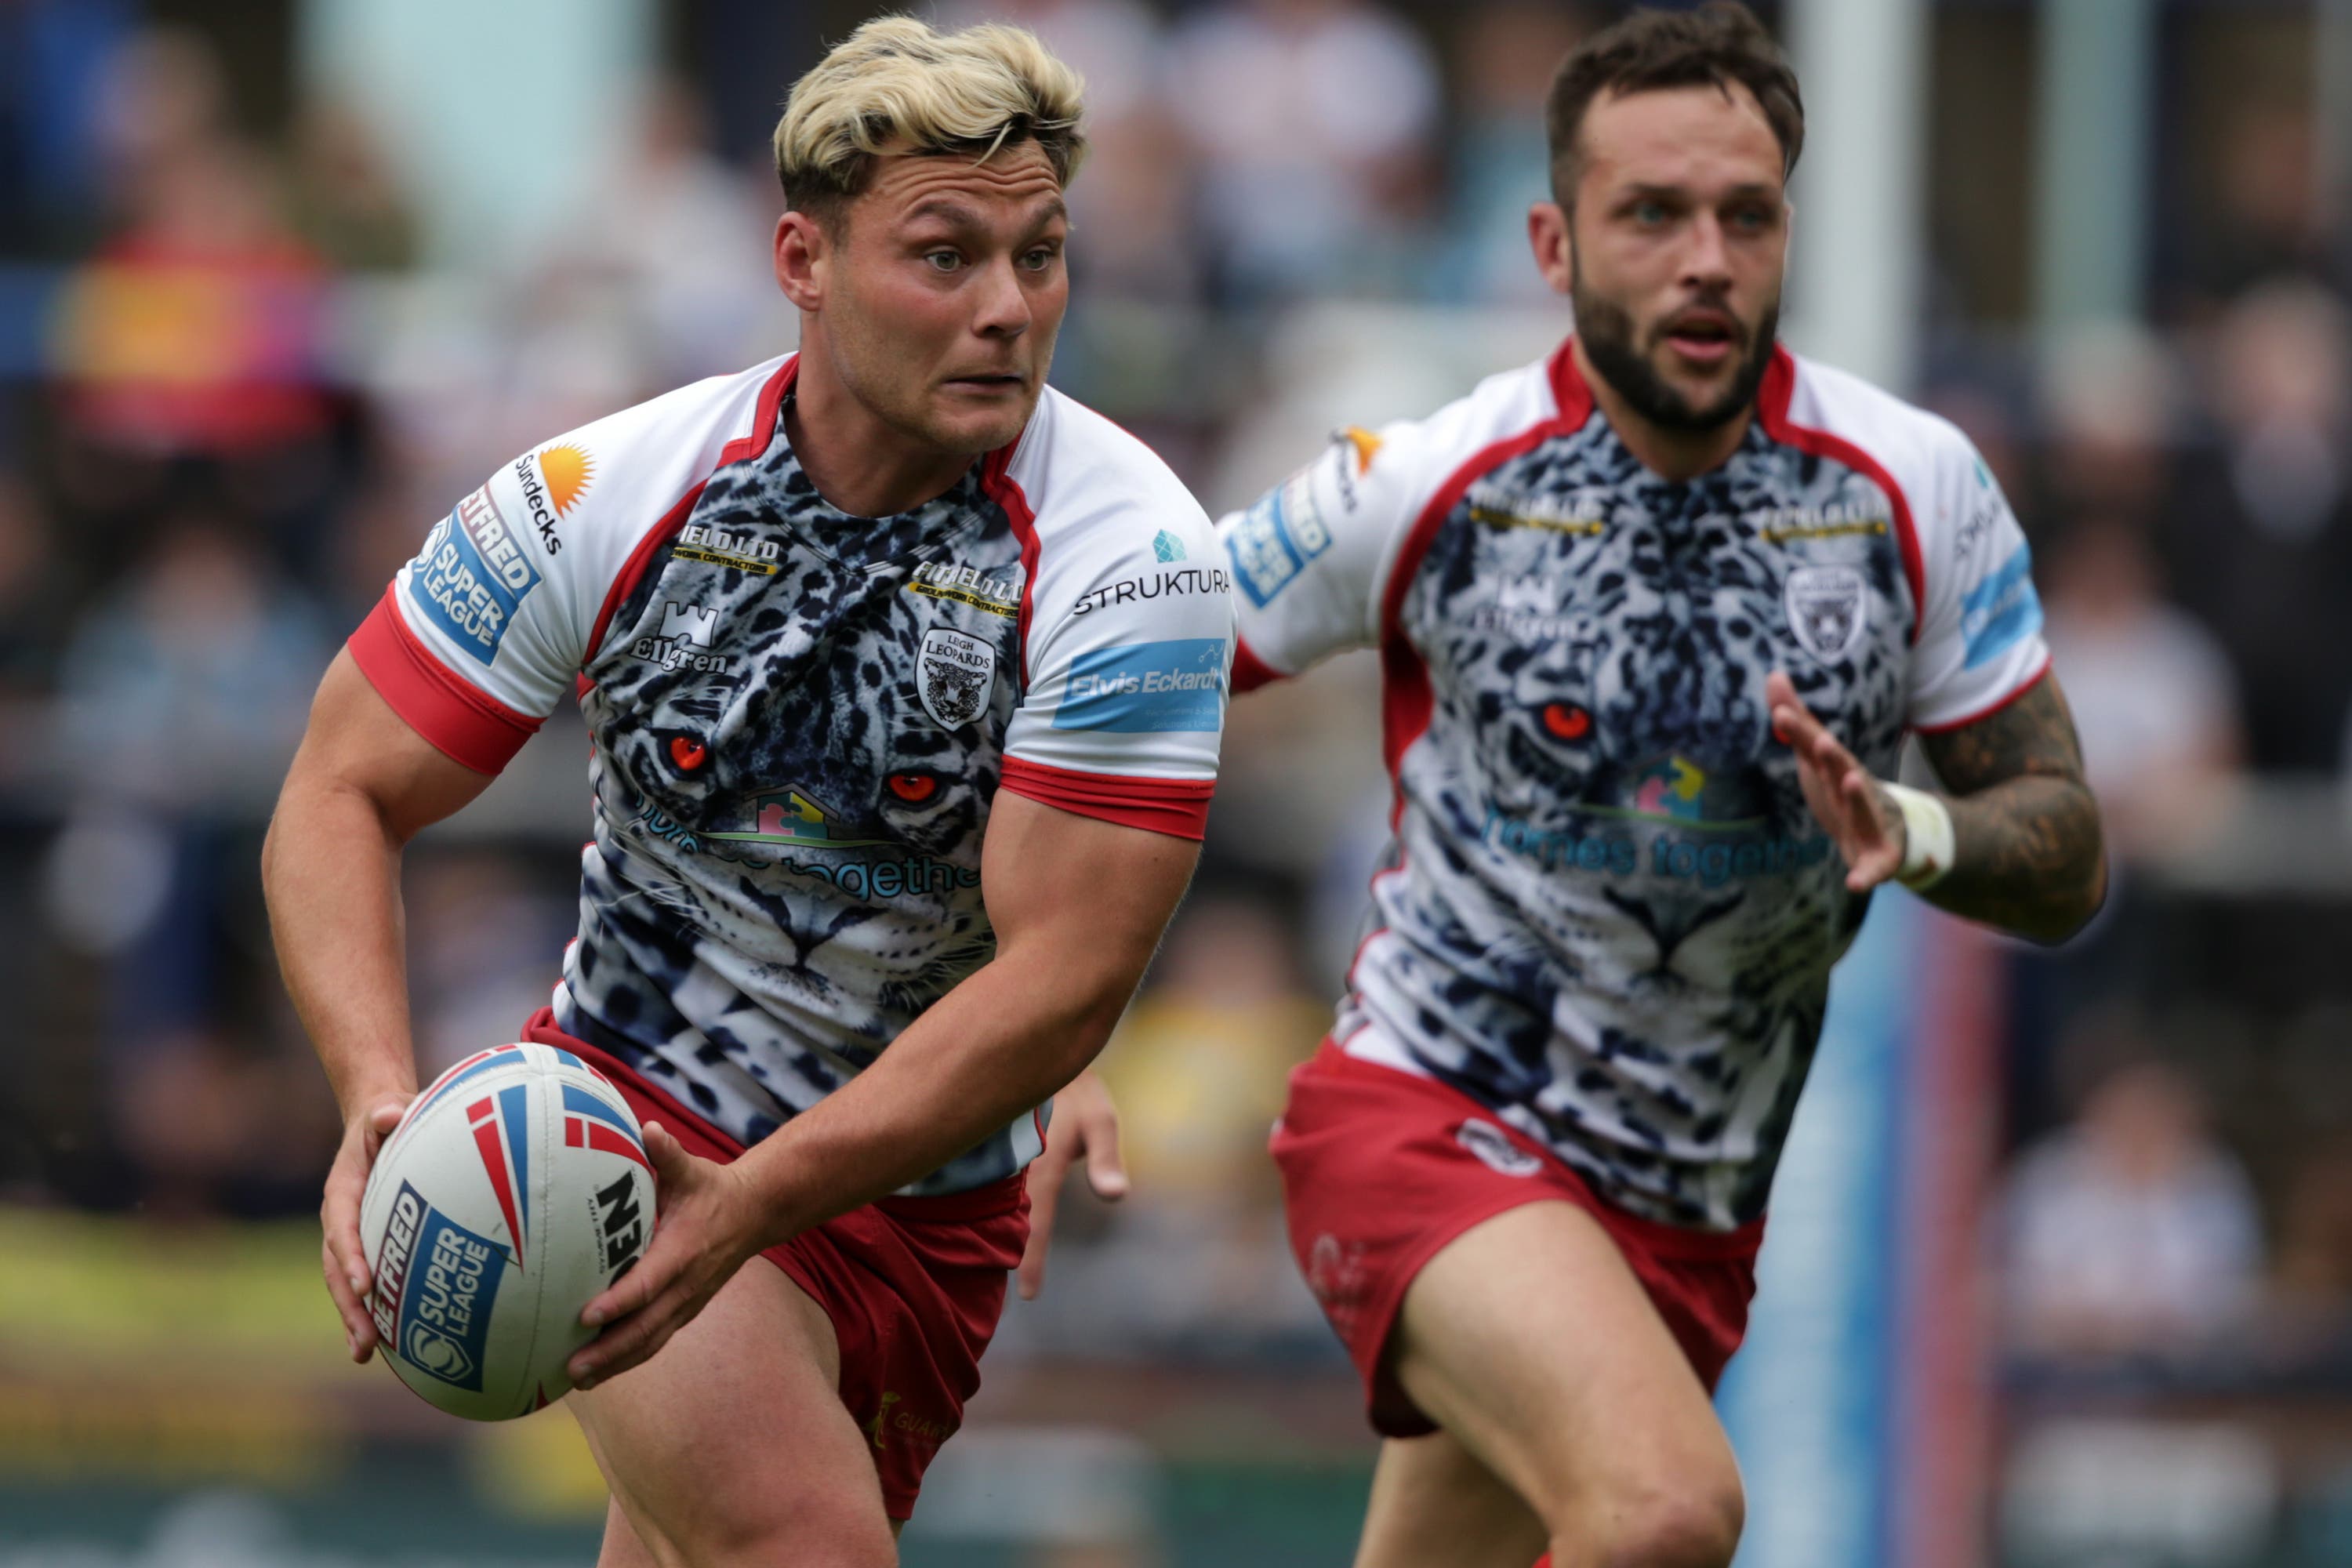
<point x="1311" y="559"/>
<point x="1130" y="621"/>
<point x="1980" y="621"/>
<point x="511" y="586"/>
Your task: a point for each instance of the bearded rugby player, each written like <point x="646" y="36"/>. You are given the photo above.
<point x="906" y="704"/>
<point x="1655" y="615"/>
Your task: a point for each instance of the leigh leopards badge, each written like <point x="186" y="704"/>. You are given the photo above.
<point x="956" y="673"/>
<point x="1827" y="607"/>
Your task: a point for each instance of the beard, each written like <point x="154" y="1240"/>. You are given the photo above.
<point x="1607" y="331"/>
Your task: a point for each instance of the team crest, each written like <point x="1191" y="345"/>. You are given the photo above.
<point x="1827" y="607"/>
<point x="956" y="672"/>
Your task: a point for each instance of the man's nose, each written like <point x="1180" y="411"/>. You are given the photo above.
<point x="1003" y="304"/>
<point x="1707" y="257"/>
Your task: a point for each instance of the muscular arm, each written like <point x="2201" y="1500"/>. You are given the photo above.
<point x="1078" y="906"/>
<point x="360" y="787"/>
<point x="2027" y="853"/>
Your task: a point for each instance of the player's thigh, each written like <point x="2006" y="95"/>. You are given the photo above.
<point x="1528" y="1337"/>
<point x="1434" y="1502"/>
<point x="732" y="1445"/>
<point x="624" y="1548"/>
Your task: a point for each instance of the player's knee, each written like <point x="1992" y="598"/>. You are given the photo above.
<point x="1694" y="1525"/>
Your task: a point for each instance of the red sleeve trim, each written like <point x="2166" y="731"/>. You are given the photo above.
<point x="634" y="569"/>
<point x="463" y="722"/>
<point x="1981" y="714"/>
<point x="1406" y="698"/>
<point x="763" y="415"/>
<point x="1177" y="807"/>
<point x="1772" y="401"/>
<point x="762" y="435"/>
<point x="996" y="479"/>
<point x="1250" y="672"/>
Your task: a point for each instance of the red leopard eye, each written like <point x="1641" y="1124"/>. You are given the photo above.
<point x="914" y="788"/>
<point x="1567" y="721"/>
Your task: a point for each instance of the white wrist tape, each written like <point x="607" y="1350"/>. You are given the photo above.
<point x="1927" y="837"/>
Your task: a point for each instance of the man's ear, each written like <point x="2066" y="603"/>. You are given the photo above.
<point x="804" y="254"/>
<point x="1548" y="237"/>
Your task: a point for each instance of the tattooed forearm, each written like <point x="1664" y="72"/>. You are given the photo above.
<point x="2026" y="849"/>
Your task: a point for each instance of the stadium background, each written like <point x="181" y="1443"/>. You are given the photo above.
<point x="2062" y="1261"/>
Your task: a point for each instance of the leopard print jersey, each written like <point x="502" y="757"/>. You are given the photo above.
<point x="1614" y="915"/>
<point x="786" y="868"/>
<point x="1608" y="913"/>
<point x="801" y="719"/>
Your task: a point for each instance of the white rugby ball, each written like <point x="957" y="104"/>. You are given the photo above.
<point x="514" y="1190"/>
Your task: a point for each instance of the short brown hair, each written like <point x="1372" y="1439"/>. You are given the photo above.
<point x="1718" y="45"/>
<point x="896" y="85"/>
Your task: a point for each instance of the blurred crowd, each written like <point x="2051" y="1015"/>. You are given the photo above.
<point x="238" y="381"/>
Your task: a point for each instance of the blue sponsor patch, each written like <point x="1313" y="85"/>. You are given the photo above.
<point x="1146" y="687"/>
<point x="473" y="574"/>
<point x="451" y="1283"/>
<point x="1277" y="538"/>
<point x="2001" y="610"/>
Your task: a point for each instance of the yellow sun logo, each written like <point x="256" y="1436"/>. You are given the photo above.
<point x="568" y="470"/>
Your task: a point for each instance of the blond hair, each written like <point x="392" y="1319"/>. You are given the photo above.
<point x="898" y="86"/>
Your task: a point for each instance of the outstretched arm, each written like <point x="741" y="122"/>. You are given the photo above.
<point x="362" y="783"/>
<point x="1078" y="905"/>
<point x="2025" y="853"/>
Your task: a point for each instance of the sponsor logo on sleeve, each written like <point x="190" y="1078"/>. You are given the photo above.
<point x="2001" y="610"/>
<point x="955" y="674"/>
<point x="437" y="1283"/>
<point x="1989" y="507"/>
<point x="475" y="572"/>
<point x="1828" y="607"/>
<point x="1167" y="546"/>
<point x="566" y="470"/>
<point x="1277" y="538"/>
<point x="1173" y="583"/>
<point x="1355" y="447"/>
<point x="1146" y="687"/>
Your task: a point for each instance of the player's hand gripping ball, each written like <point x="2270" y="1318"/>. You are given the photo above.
<point x="514" y="1190"/>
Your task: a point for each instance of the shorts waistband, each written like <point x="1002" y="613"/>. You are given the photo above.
<point x="1000" y="1197"/>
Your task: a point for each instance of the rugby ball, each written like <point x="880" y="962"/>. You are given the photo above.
<point x="514" y="1190"/>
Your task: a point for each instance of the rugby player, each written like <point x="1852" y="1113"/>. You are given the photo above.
<point x="904" y="677"/>
<point x="1655" y="615"/>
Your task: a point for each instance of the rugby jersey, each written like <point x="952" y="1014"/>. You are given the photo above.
<point x="801" y="718"/>
<point x="1608" y="913"/>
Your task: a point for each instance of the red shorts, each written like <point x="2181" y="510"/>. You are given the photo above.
<point x="914" y="1286"/>
<point x="1382" y="1168"/>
